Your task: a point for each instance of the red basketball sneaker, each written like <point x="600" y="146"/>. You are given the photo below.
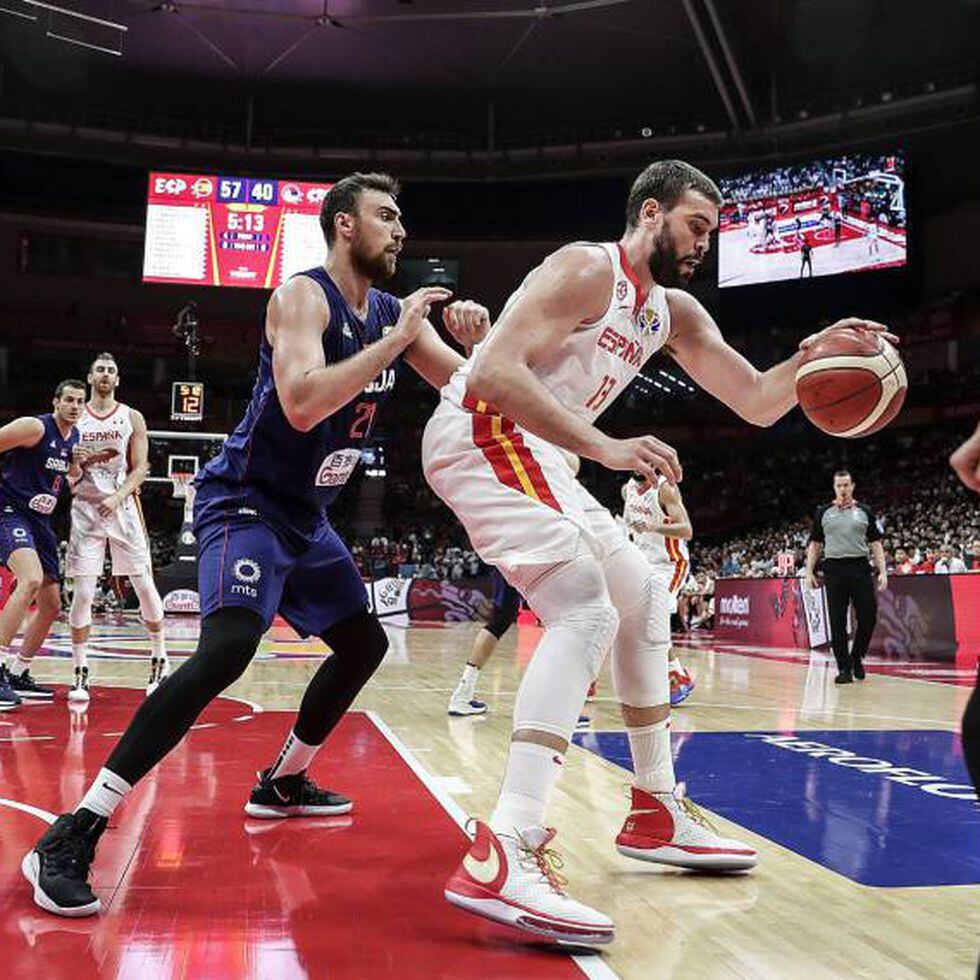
<point x="514" y="880"/>
<point x="681" y="686"/>
<point x="667" y="828"/>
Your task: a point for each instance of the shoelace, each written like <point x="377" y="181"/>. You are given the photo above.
<point x="547" y="860"/>
<point x="692" y="809"/>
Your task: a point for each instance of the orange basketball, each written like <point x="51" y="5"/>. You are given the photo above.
<point x="851" y="383"/>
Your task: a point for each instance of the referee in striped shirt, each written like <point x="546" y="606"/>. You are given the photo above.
<point x="846" y="533"/>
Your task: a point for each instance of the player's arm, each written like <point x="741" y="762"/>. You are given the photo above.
<point x="571" y="288"/>
<point x="814" y="549"/>
<point x="467" y="323"/>
<point x="138" y="464"/>
<point x="966" y="461"/>
<point x="680" y="521"/>
<point x="759" y="397"/>
<point x="22" y="433"/>
<point x="309" y="389"/>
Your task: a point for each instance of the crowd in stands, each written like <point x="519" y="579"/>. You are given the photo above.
<point x="818" y="174"/>
<point x="930" y="522"/>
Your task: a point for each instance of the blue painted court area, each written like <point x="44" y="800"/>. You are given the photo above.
<point x="891" y="809"/>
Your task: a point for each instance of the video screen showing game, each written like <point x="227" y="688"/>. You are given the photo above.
<point x="839" y="214"/>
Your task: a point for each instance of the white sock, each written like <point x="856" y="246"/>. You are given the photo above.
<point x="295" y="757"/>
<point x="466" y="687"/>
<point x="158" y="644"/>
<point x="675" y="665"/>
<point x="17" y="665"/>
<point x="531" y="773"/>
<point x="105" y="794"/>
<point x="79" y="654"/>
<point x="653" y="764"/>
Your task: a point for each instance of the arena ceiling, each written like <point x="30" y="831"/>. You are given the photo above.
<point x="478" y="81"/>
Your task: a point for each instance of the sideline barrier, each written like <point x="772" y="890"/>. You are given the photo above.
<point x="920" y="617"/>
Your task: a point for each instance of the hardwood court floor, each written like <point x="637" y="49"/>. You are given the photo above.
<point x="855" y="797"/>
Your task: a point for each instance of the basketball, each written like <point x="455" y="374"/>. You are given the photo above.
<point x="851" y="383"/>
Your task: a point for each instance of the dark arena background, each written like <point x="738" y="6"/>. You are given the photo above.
<point x="162" y="171"/>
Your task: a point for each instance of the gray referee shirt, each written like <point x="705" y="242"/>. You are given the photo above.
<point x="845" y="532"/>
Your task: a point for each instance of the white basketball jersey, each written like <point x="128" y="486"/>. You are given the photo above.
<point x="97" y="432"/>
<point x="645" y="508"/>
<point x="593" y="365"/>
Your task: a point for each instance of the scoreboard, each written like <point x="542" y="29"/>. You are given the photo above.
<point x="211" y="230"/>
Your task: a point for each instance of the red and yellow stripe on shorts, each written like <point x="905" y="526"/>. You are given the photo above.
<point x="675" y="554"/>
<point x="505" y="450"/>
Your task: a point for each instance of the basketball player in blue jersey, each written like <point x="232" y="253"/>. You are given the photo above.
<point x="329" y="355"/>
<point x="38" y="456"/>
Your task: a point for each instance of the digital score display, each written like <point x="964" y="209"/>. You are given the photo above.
<point x="209" y="230"/>
<point x="187" y="401"/>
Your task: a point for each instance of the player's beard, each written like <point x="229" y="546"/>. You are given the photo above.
<point x="665" y="265"/>
<point x="375" y="266"/>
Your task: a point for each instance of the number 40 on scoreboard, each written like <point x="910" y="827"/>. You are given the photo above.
<point x="187" y="401"/>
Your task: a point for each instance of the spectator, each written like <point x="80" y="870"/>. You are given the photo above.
<point x="949" y="562"/>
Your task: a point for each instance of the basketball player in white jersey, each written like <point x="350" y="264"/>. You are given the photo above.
<point x="659" y="525"/>
<point x="103" y="509"/>
<point x="567" y="343"/>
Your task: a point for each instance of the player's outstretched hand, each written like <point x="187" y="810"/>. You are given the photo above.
<point x="415" y="309"/>
<point x="645" y="455"/>
<point x="855" y="323"/>
<point x="966" y="461"/>
<point x="467" y="322"/>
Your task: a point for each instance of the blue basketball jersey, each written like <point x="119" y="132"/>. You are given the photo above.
<point x="288" y="475"/>
<point x="32" y="477"/>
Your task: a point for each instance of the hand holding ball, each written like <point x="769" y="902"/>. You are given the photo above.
<point x="851" y="382"/>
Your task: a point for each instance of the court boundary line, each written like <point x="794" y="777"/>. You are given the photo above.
<point x="592" y="966"/>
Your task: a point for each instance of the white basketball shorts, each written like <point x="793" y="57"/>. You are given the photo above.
<point x="124" y="532"/>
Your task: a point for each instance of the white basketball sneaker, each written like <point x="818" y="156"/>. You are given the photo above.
<point x="462" y="702"/>
<point x="515" y="880"/>
<point x="79" y="693"/>
<point x="667" y="828"/>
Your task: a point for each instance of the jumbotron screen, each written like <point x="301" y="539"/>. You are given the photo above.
<point x="231" y="231"/>
<point x="841" y="214"/>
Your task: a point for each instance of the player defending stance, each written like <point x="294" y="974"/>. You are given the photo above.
<point x="567" y="343"/>
<point x="37" y="455"/>
<point x="329" y="355"/>
<point x="660" y="527"/>
<point x="105" y="508"/>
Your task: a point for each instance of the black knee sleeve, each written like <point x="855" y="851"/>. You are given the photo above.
<point x="225" y="648"/>
<point x="504" y="616"/>
<point x="359" y="644"/>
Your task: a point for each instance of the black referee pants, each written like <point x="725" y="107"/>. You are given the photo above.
<point x="849" y="580"/>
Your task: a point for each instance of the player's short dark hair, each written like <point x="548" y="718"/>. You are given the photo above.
<point x="68" y="383"/>
<point x="104" y="356"/>
<point x="342" y="197"/>
<point x="838" y="473"/>
<point x="666" y="181"/>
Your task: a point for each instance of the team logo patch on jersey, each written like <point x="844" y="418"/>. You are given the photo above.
<point x="648" y="320"/>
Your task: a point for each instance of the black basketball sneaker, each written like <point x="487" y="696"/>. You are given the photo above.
<point x="59" y="864"/>
<point x="29" y="689"/>
<point x="293" y="796"/>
